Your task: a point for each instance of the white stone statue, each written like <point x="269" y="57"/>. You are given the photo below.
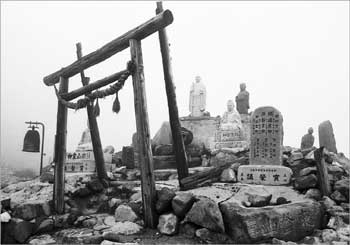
<point x="231" y="120"/>
<point x="198" y="96"/>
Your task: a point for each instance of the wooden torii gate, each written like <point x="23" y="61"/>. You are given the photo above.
<point x="130" y="39"/>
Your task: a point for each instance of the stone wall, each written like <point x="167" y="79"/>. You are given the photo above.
<point x="203" y="129"/>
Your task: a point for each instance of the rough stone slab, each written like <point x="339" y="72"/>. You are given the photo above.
<point x="326" y="136"/>
<point x="264" y="174"/>
<point x="288" y="222"/>
<point x="266" y="136"/>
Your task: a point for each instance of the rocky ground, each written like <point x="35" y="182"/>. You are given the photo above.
<point x="222" y="212"/>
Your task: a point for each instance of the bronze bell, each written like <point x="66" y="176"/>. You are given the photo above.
<point x="31" y="141"/>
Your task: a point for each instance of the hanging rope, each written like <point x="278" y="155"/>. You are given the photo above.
<point x="113" y="89"/>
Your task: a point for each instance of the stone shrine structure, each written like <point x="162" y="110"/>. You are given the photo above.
<point x="242" y="100"/>
<point x="307" y="141"/>
<point x="83" y="160"/>
<point x="198" y="96"/>
<point x="326" y="136"/>
<point x="266" y="142"/>
<point x="229" y="133"/>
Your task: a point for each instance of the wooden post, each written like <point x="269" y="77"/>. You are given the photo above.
<point x="142" y="31"/>
<point x="322" y="172"/>
<point x="144" y="143"/>
<point x="94" y="131"/>
<point x="178" y="144"/>
<point x="60" y="150"/>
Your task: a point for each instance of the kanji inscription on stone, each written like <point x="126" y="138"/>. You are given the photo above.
<point x="264" y="174"/>
<point x="266" y="136"/>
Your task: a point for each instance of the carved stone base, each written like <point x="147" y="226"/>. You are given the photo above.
<point x="264" y="174"/>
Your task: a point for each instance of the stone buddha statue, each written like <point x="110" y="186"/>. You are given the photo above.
<point x="198" y="95"/>
<point x="231" y="120"/>
<point x="307" y="141"/>
<point x="242" y="100"/>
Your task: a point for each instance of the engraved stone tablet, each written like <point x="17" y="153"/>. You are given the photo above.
<point x="264" y="174"/>
<point x="266" y="137"/>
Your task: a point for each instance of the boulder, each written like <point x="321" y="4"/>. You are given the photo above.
<point x="209" y="236"/>
<point x="114" y="202"/>
<point x="5" y="204"/>
<point x="343" y="187"/>
<point x="168" y="224"/>
<point x="314" y="194"/>
<point x="73" y="235"/>
<point x="329" y="235"/>
<point x="163" y="150"/>
<point x="296" y="155"/>
<point x="307" y="171"/>
<point x="30" y="210"/>
<point x="305" y="182"/>
<point x="182" y="203"/>
<point x="89" y="223"/>
<point x="188" y="229"/>
<point x="5" y="217"/>
<point x="288" y="222"/>
<point x="164" y="198"/>
<point x="327" y="202"/>
<point x="42" y="240"/>
<point x="206" y="213"/>
<point x="326" y="136"/>
<point x="125" y="213"/>
<point x="258" y="200"/>
<point x="163" y="135"/>
<point x="228" y="175"/>
<point x="111" y="236"/>
<point x="21" y="230"/>
<point x="125" y="228"/>
<point x="338" y="197"/>
<point x="95" y="186"/>
<point x="45" y="225"/>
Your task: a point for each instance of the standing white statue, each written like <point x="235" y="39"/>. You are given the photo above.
<point x="231" y="120"/>
<point x="198" y="96"/>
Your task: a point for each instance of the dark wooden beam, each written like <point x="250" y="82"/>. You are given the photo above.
<point x="144" y="143"/>
<point x="142" y="31"/>
<point x="60" y="150"/>
<point x="322" y="172"/>
<point x="94" y="130"/>
<point x="92" y="86"/>
<point x="178" y="144"/>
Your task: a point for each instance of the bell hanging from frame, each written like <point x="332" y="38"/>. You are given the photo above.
<point x="31" y="141"/>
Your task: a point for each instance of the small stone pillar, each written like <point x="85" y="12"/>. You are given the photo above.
<point x="128" y="157"/>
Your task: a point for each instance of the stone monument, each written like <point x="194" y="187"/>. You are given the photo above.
<point x="230" y="130"/>
<point x="266" y="141"/>
<point x="198" y="95"/>
<point x="242" y="100"/>
<point x="326" y="136"/>
<point x="307" y="141"/>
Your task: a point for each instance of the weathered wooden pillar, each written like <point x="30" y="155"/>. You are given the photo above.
<point x="144" y="143"/>
<point x="60" y="150"/>
<point x="322" y="172"/>
<point x="178" y="144"/>
<point x="94" y="131"/>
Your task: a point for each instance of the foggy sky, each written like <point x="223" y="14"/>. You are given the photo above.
<point x="292" y="55"/>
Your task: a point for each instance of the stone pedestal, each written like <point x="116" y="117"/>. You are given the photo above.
<point x="264" y="174"/>
<point x="202" y="128"/>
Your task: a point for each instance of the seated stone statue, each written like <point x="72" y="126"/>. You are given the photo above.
<point x="307" y="141"/>
<point x="231" y="120"/>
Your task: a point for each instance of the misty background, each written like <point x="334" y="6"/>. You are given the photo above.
<point x="292" y="55"/>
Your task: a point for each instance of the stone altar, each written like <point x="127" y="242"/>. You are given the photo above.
<point x="198" y="95"/>
<point x="242" y="100"/>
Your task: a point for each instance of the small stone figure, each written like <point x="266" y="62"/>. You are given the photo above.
<point x="231" y="120"/>
<point x="242" y="100"/>
<point x="198" y="95"/>
<point x="307" y="141"/>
